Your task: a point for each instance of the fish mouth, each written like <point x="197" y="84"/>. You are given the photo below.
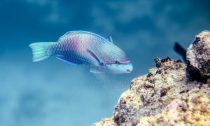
<point x="129" y="71"/>
<point x="130" y="68"/>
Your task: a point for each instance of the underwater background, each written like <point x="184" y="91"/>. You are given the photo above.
<point x="52" y="93"/>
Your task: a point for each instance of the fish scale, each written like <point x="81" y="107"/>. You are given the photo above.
<point x="83" y="47"/>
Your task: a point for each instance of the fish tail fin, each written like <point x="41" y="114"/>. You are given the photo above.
<point x="180" y="50"/>
<point x="41" y="50"/>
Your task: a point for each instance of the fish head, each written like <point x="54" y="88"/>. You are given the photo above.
<point x="116" y="61"/>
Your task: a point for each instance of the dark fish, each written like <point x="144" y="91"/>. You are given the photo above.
<point x="180" y="50"/>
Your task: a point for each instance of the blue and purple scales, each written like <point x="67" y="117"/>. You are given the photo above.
<point x="83" y="47"/>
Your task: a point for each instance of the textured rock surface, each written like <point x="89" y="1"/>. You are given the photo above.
<point x="198" y="57"/>
<point x="172" y="94"/>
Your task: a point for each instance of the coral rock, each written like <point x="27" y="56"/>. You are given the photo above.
<point x="171" y="94"/>
<point x="106" y="122"/>
<point x="198" y="57"/>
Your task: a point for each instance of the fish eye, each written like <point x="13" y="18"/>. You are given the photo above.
<point x="117" y="62"/>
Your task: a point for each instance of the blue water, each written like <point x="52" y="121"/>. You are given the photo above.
<point x="52" y="93"/>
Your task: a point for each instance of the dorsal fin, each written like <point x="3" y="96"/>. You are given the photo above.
<point x="110" y="39"/>
<point x="70" y="33"/>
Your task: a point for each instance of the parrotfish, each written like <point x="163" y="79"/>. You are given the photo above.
<point x="83" y="47"/>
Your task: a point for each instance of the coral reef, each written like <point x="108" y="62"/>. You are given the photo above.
<point x="198" y="57"/>
<point x="172" y="94"/>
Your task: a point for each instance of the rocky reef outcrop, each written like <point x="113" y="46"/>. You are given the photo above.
<point x="171" y="94"/>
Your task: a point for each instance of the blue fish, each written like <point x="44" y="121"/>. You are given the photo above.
<point x="83" y="47"/>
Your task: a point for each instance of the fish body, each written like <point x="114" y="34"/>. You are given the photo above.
<point x="83" y="47"/>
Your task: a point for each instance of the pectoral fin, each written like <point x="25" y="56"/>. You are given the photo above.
<point x="94" y="56"/>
